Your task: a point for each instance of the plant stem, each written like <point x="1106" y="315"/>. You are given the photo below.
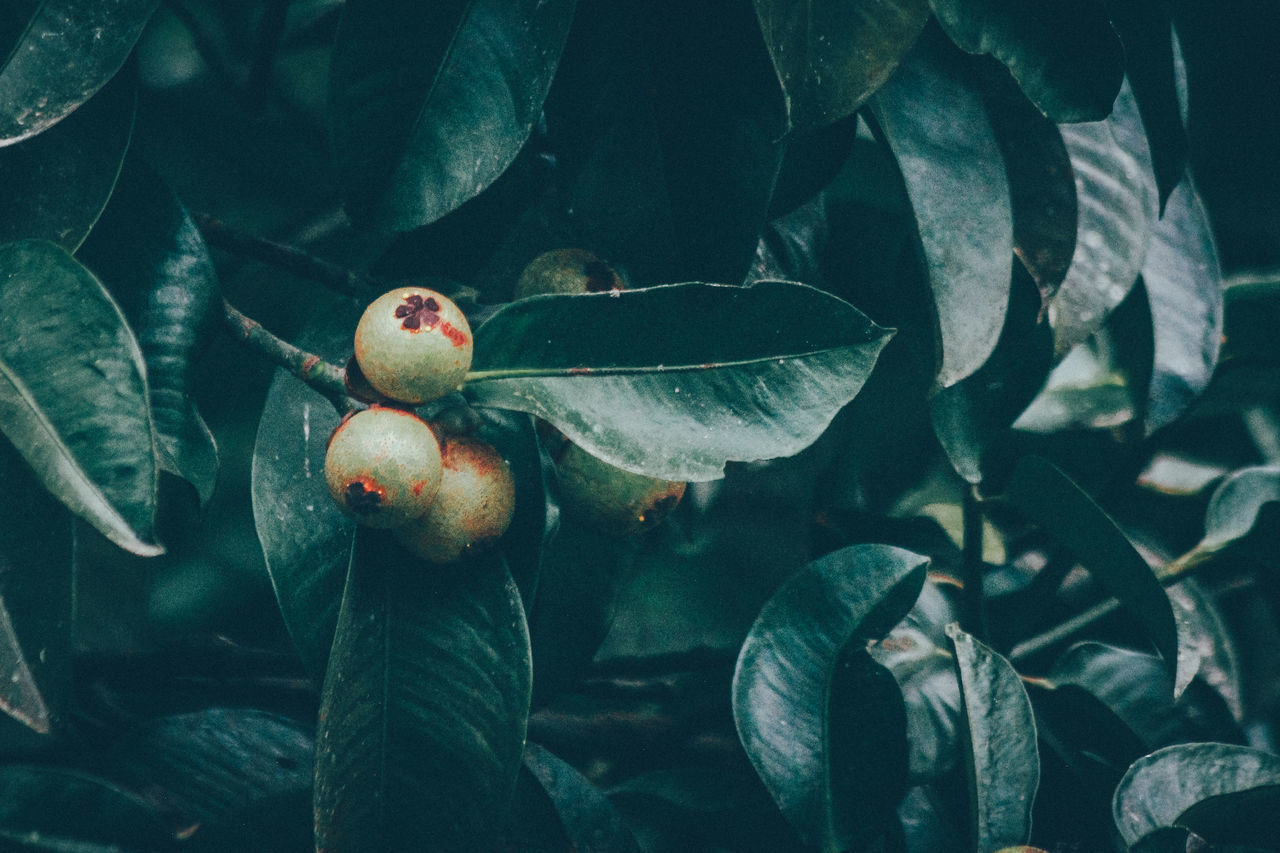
<point x="270" y="32"/>
<point x="295" y="261"/>
<point x="973" y="614"/>
<point x="328" y="379"/>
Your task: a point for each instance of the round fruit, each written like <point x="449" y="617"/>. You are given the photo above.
<point x="383" y="466"/>
<point x="413" y="345"/>
<point x="473" y="508"/>
<point x="567" y="271"/>
<point x="610" y="498"/>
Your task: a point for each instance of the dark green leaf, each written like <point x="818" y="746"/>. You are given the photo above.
<point x="791" y="247"/>
<point x="58" y="184"/>
<point x="1238" y="783"/>
<point x="66" y="52"/>
<point x="937" y="128"/>
<point x="431" y="103"/>
<point x="1234" y="510"/>
<point x="1048" y="497"/>
<point x="305" y="538"/>
<point x="35" y="605"/>
<point x="589" y="819"/>
<point x="1004" y="763"/>
<point x="422" y="720"/>
<point x="673" y="381"/>
<point x="1116" y="197"/>
<point x="216" y="766"/>
<point x="931" y="694"/>
<point x="1184" y="286"/>
<point x="1146" y="29"/>
<point x="43" y="808"/>
<point x="1133" y="686"/>
<point x="1066" y="58"/>
<point x="73" y="398"/>
<point x="802" y="662"/>
<point x="148" y="251"/>
<point x="811" y="163"/>
<point x="830" y="56"/>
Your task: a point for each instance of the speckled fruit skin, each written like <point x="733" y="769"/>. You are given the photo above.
<point x="413" y="344"/>
<point x="567" y="271"/>
<point x="383" y="467"/>
<point x="611" y="499"/>
<point x="473" y="508"/>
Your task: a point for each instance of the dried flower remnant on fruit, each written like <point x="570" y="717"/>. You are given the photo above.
<point x="364" y="497"/>
<point x="418" y="312"/>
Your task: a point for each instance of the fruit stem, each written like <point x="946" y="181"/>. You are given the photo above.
<point x="333" y="276"/>
<point x="328" y="379"/>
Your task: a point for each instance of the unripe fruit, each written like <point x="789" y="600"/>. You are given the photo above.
<point x="413" y="344"/>
<point x="473" y="508"/>
<point x="610" y="498"/>
<point x="383" y="466"/>
<point x="567" y="271"/>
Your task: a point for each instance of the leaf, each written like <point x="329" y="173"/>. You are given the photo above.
<point x="57" y="185"/>
<point x="73" y="393"/>
<point x="423" y="715"/>
<point x="1048" y="497"/>
<point x="148" y="251"/>
<point x="831" y="56"/>
<point x="1004" y="763"/>
<point x="1184" y="286"/>
<point x="931" y="694"/>
<point x="834" y="769"/>
<point x="305" y="538"/>
<point x="1116" y="197"/>
<point x="589" y="819"/>
<point x="430" y="104"/>
<point x="1161" y="788"/>
<point x="791" y="247"/>
<point x="67" y="51"/>
<point x="674" y="381"/>
<point x="35" y="606"/>
<point x="1234" y="512"/>
<point x="43" y="808"/>
<point x="1067" y="59"/>
<point x="935" y="124"/>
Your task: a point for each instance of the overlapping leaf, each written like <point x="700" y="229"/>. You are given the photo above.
<point x="937" y="128"/>
<point x="430" y="104"/>
<point x="425" y="705"/>
<point x="1234" y="511"/>
<point x="673" y="381"/>
<point x="589" y="820"/>
<point x="65" y="52"/>
<point x="57" y="810"/>
<point x="73" y="393"/>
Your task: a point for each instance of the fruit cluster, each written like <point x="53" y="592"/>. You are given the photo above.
<point x="444" y="496"/>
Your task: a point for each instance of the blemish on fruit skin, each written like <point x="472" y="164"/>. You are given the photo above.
<point x="364" y="496"/>
<point x="419" y="486"/>
<point x="309" y="364"/>
<point x="455" y="336"/>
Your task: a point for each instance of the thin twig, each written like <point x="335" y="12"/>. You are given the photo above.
<point x="973" y="568"/>
<point x="334" y="276"/>
<point x="328" y="379"/>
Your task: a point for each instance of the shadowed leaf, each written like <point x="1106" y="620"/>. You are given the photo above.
<point x="590" y="822"/>
<point x="62" y="811"/>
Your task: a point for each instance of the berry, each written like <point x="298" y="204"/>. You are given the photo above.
<point x="567" y="271"/>
<point x="618" y="501"/>
<point x="383" y="466"/>
<point x="413" y="345"/>
<point x="473" y="508"/>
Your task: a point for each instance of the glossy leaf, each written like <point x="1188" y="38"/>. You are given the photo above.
<point x="423" y="715"/>
<point x="1004" y="763"/>
<point x="831" y="56"/>
<point x="66" y="52"/>
<point x="673" y="381"/>
<point x="590" y="822"/>
<point x="1184" y="286"/>
<point x="430" y="104"/>
<point x="833" y="773"/>
<point x="305" y="538"/>
<point x="1067" y="59"/>
<point x="931" y="694"/>
<point x="148" y="251"/>
<point x="1116" y="197"/>
<point x="56" y="185"/>
<point x="1235" y="509"/>
<point x="937" y="128"/>
<point x="43" y="808"/>
<point x="1048" y="497"/>
<point x="35" y="605"/>
<point x="1161" y="788"/>
<point x="73" y="393"/>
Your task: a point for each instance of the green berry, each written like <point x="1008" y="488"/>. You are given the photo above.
<point x="413" y="345"/>
<point x="607" y="497"/>
<point x="567" y="271"/>
<point x="383" y="466"/>
<point x="472" y="509"/>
